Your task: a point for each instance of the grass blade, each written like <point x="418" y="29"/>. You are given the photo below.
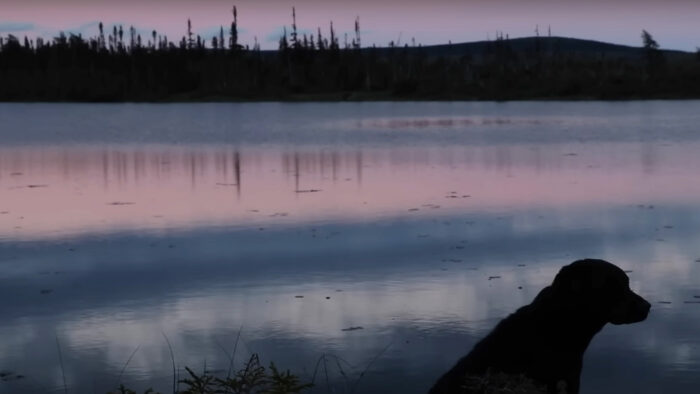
<point x="119" y="379"/>
<point x="63" y="371"/>
<point x="172" y="358"/>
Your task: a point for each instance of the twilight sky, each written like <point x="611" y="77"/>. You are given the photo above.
<point x="673" y="23"/>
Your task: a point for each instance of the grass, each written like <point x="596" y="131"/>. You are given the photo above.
<point x="253" y="378"/>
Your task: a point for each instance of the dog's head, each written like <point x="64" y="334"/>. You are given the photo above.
<point x="600" y="288"/>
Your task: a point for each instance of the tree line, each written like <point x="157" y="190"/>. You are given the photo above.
<point x="121" y="65"/>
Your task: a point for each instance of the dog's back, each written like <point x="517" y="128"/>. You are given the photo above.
<point x="513" y="347"/>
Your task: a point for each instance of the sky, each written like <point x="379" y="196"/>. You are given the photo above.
<point x="673" y="23"/>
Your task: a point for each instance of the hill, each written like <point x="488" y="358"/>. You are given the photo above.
<point x="550" y="45"/>
<point x="547" y="44"/>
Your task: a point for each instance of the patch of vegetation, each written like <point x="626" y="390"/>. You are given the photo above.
<point x="253" y="378"/>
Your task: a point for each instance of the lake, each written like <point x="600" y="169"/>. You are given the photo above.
<point x="281" y="229"/>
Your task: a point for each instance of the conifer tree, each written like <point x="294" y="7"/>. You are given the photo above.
<point x="190" y="40"/>
<point x="319" y="38"/>
<point x="233" y="39"/>
<point x="293" y="37"/>
<point x="334" y="40"/>
<point x="655" y="59"/>
<point x="113" y="42"/>
<point x="284" y="45"/>
<point x="649" y="43"/>
<point x="101" y="39"/>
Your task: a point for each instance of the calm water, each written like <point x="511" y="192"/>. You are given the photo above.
<point x="123" y="224"/>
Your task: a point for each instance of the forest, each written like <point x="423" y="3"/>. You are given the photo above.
<point x="119" y="64"/>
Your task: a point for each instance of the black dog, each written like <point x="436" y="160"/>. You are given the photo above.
<point x="545" y="340"/>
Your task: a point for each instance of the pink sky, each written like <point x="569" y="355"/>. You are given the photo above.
<point x="673" y="23"/>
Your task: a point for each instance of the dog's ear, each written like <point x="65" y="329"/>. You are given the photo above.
<point x="598" y="279"/>
<point x="577" y="285"/>
<point x="578" y="278"/>
<point x="569" y="281"/>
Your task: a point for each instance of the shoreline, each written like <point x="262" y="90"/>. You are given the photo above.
<point x="361" y="97"/>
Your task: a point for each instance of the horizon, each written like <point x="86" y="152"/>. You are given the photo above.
<point x="440" y="22"/>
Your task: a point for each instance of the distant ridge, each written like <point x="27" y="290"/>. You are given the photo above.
<point x="525" y="44"/>
<point x="567" y="45"/>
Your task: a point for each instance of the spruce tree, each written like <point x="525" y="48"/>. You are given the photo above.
<point x="293" y="37"/>
<point x="319" y="39"/>
<point x="101" y="40"/>
<point x="334" y="40"/>
<point x="284" y="45"/>
<point x="233" y="39"/>
<point x="190" y="40"/>
<point x="655" y="58"/>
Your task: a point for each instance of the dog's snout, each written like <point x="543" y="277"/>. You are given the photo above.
<point x="632" y="310"/>
<point x="640" y="308"/>
<point x="644" y="306"/>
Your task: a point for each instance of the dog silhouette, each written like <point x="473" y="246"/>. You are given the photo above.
<point x="545" y="340"/>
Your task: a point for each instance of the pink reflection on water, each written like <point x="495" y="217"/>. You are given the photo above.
<point x="433" y="122"/>
<point x="63" y="191"/>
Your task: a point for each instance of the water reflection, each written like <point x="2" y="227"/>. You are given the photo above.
<point x="63" y="191"/>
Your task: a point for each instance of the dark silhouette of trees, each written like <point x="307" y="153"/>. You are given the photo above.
<point x="654" y="57"/>
<point x="333" y="46"/>
<point x="320" y="41"/>
<point x="71" y="67"/>
<point x="233" y="33"/>
<point x="190" y="41"/>
<point x="294" y="40"/>
<point x="101" y="38"/>
<point x="649" y="43"/>
<point x="284" y="44"/>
